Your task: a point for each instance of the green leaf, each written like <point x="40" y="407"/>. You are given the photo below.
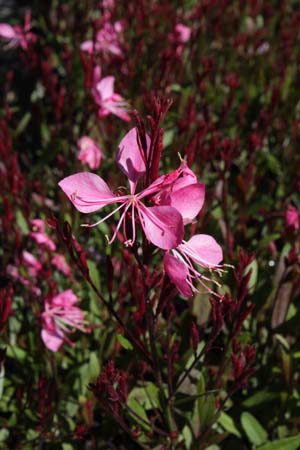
<point x="187" y="436"/>
<point x="23" y="123"/>
<point x="138" y="413"/>
<point x="21" y="222"/>
<point x="168" y="137"/>
<point x="228" y="424"/>
<point x="124" y="342"/>
<point x="148" y="395"/>
<point x="259" y="398"/>
<point x="256" y="434"/>
<point x="205" y="404"/>
<point x="94" y="273"/>
<point x="291" y="443"/>
<point x="253" y="277"/>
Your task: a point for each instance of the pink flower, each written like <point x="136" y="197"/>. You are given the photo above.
<point x="183" y="188"/>
<point x="61" y="317"/>
<point x="89" y="152"/>
<point x="183" y="33"/>
<point x="292" y="218"/>
<point x="107" y="100"/>
<point x="18" y="35"/>
<point x="162" y="225"/>
<point x="201" y="249"/>
<point x="61" y="264"/>
<point x="108" y="40"/>
<point x="39" y="234"/>
<point x="32" y="263"/>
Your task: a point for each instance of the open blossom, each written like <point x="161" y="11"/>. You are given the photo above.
<point x="40" y="236"/>
<point x="108" y="101"/>
<point x="59" y="261"/>
<point x="60" y="318"/>
<point x="32" y="263"/>
<point x="162" y="223"/>
<point x="183" y="33"/>
<point x="17" y="35"/>
<point x="108" y="40"/>
<point x="292" y="218"/>
<point x="179" y="263"/>
<point x="89" y="152"/>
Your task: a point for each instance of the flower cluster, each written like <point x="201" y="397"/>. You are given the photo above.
<point x="177" y="197"/>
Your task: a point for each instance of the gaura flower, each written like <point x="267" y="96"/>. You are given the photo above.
<point x="40" y="236"/>
<point x="18" y="35"/>
<point x="163" y="223"/>
<point x="292" y="218"/>
<point x="183" y="33"/>
<point x="60" y="318"/>
<point x="108" y="101"/>
<point x="61" y="264"/>
<point x="108" y="40"/>
<point x="32" y="263"/>
<point x="89" y="152"/>
<point x="179" y="263"/>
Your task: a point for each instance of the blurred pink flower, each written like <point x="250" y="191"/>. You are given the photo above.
<point x="89" y="152"/>
<point x="60" y="318"/>
<point x="108" y="40"/>
<point x="107" y="100"/>
<point x="39" y="235"/>
<point x="162" y="225"/>
<point x="18" y="35"/>
<point x="201" y="249"/>
<point x="32" y="263"/>
<point x="183" y="33"/>
<point x="292" y="218"/>
<point x="61" y="264"/>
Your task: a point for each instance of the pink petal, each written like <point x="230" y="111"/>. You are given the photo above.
<point x="105" y="87"/>
<point x="52" y="339"/>
<point x="115" y="105"/>
<point x="184" y="32"/>
<point x="87" y="46"/>
<point x="187" y="177"/>
<point x="65" y="299"/>
<point x="43" y="239"/>
<point x="162" y="225"/>
<point x="90" y="153"/>
<point x="87" y="191"/>
<point x="7" y="31"/>
<point x="178" y="273"/>
<point x="203" y="249"/>
<point x="130" y="157"/>
<point x="188" y="201"/>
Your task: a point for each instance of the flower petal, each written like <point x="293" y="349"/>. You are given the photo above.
<point x="178" y="273"/>
<point x="52" y="339"/>
<point x="162" y="225"/>
<point x="87" y="46"/>
<point x="188" y="201"/>
<point x="203" y="249"/>
<point x="105" y="87"/>
<point x="65" y="299"/>
<point x="130" y="156"/>
<point x="87" y="191"/>
<point x="7" y="31"/>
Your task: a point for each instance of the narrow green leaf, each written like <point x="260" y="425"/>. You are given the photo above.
<point x="21" y="222"/>
<point x="291" y="443"/>
<point x="124" y="342"/>
<point x="256" y="434"/>
<point x="228" y="424"/>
